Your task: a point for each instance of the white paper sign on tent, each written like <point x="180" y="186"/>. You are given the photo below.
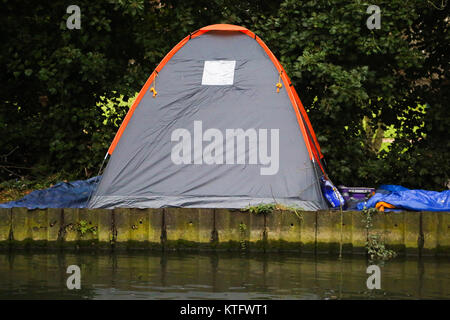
<point x="218" y="73"/>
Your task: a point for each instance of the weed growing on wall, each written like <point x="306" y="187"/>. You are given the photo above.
<point x="268" y="208"/>
<point x="375" y="246"/>
<point x="84" y="227"/>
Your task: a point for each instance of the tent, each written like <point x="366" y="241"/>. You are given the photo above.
<point x="218" y="124"/>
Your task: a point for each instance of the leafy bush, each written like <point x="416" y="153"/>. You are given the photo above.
<point x="354" y="82"/>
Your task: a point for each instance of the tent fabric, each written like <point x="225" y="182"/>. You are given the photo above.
<point x="406" y="199"/>
<point x="142" y="172"/>
<point x="301" y="115"/>
<point x="73" y="194"/>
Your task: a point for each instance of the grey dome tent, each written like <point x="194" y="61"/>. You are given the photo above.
<point x="219" y="125"/>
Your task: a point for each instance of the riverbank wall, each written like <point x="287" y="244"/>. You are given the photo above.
<point x="319" y="232"/>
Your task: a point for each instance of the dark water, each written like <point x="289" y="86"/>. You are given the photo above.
<point x="217" y="276"/>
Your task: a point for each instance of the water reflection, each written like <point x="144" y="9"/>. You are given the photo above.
<point x="217" y="276"/>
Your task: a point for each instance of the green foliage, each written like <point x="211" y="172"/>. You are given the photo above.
<point x="367" y="216"/>
<point x="15" y="189"/>
<point x="377" y="250"/>
<point x="52" y="78"/>
<point x="263" y="208"/>
<point x="356" y="82"/>
<point x="268" y="208"/>
<point x="375" y="247"/>
<point x="242" y="232"/>
<point x="298" y="211"/>
<point x="65" y="92"/>
<point x="56" y="82"/>
<point x="84" y="227"/>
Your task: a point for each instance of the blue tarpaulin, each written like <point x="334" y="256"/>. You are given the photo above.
<point x="407" y="199"/>
<point x="73" y="194"/>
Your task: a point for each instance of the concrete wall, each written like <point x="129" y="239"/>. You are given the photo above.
<point x="411" y="233"/>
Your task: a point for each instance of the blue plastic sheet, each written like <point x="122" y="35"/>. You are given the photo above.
<point x="73" y="194"/>
<point x="406" y="199"/>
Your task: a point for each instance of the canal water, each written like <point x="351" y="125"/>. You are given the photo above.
<point x="217" y="276"/>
